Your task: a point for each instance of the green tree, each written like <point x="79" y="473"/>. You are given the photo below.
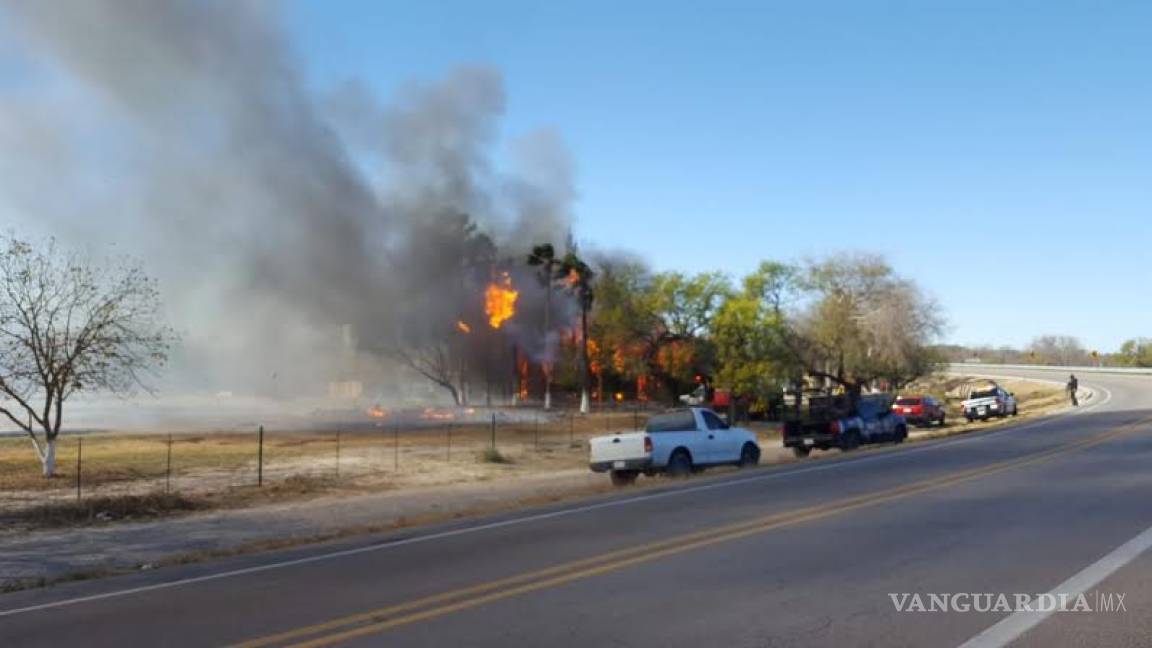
<point x="619" y="322"/>
<point x="748" y="333"/>
<point x="660" y="322"/>
<point x="680" y="310"/>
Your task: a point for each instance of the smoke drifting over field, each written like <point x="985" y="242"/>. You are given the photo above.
<point x="184" y="133"/>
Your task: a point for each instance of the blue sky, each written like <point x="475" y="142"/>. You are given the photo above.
<point x="997" y="152"/>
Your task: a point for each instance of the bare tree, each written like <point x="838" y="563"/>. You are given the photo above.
<point x="1058" y="350"/>
<point x="68" y="326"/>
<point x="435" y="361"/>
<point x="863" y="324"/>
<point x="431" y="333"/>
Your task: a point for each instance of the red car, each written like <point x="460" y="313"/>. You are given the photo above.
<point x="920" y="410"/>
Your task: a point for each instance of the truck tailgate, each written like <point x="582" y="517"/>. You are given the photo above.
<point x="616" y="447"/>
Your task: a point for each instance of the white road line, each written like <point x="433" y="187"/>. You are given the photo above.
<point x="831" y="465"/>
<point x="1011" y="627"/>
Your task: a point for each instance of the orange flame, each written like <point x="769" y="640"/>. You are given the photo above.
<point x="500" y="301"/>
<point x="377" y="412"/>
<point x="522" y="376"/>
<point x="594" y="357"/>
<point x="463" y="327"/>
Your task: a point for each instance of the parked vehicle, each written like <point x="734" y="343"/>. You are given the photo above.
<point x="990" y="401"/>
<point x="835" y="422"/>
<point x="744" y="406"/>
<point x="677" y="443"/>
<point x="920" y="410"/>
<point x="718" y="400"/>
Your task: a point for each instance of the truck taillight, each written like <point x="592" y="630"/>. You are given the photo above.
<point x="647" y="444"/>
<point x="834" y="427"/>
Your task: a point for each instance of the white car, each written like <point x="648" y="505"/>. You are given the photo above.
<point x="991" y="401"/>
<point x="676" y="443"/>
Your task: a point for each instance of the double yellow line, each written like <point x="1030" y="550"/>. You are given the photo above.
<point x="384" y="618"/>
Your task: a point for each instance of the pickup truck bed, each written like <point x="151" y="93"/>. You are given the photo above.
<point x="624" y="451"/>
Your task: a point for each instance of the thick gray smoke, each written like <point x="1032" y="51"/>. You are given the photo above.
<point x="183" y="133"/>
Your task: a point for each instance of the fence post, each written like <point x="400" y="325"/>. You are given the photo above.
<point x="571" y="428"/>
<point x="79" y="463"/>
<point x="493" y="430"/>
<point x="168" y="471"/>
<point x="396" y="446"/>
<point x="337" y="454"/>
<point x="448" y="458"/>
<point x="260" y="459"/>
<point x="536" y="429"/>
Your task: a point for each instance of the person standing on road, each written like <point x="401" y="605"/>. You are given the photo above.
<point x="1073" y="385"/>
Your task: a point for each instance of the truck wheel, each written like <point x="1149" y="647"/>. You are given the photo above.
<point x="679" y="464"/>
<point x="941" y="421"/>
<point x="1015" y="410"/>
<point x="624" y="477"/>
<point x="851" y="440"/>
<point x="801" y="451"/>
<point x="901" y="434"/>
<point x="749" y="456"/>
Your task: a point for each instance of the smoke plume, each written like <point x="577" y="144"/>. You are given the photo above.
<point x="286" y="226"/>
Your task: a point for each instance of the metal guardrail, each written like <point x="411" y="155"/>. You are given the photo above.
<point x="1053" y="368"/>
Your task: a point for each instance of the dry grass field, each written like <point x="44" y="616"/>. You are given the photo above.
<point x="221" y="469"/>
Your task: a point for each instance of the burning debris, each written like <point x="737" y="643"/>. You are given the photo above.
<point x="437" y="414"/>
<point x="522" y="376"/>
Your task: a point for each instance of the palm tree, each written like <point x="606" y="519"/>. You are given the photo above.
<point x="579" y="281"/>
<point x="544" y="257"/>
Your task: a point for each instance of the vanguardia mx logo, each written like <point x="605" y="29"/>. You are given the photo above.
<point x="1094" y="601"/>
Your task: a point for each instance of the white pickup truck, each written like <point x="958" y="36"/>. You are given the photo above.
<point x="990" y="401"/>
<point x="676" y="443"/>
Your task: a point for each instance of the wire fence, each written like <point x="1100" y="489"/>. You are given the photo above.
<point x="436" y="451"/>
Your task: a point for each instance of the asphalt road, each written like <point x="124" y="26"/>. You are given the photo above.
<point x="804" y="554"/>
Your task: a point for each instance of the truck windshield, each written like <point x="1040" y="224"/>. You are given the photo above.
<point x="672" y="422"/>
<point x="907" y="402"/>
<point x="985" y="393"/>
